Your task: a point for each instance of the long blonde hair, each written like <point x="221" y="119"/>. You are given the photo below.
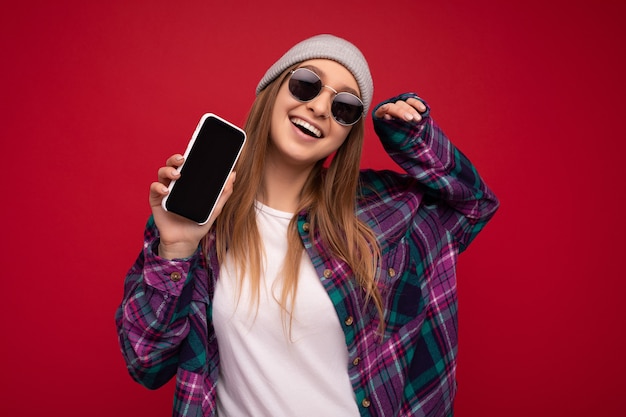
<point x="329" y="195"/>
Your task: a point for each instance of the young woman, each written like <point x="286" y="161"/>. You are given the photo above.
<point x="316" y="289"/>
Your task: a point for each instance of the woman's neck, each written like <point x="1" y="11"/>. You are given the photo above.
<point x="282" y="186"/>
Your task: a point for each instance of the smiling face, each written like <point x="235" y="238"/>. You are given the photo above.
<point x="304" y="133"/>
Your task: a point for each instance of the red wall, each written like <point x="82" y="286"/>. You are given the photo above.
<point x="95" y="96"/>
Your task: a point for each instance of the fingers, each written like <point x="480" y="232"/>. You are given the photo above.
<point x="403" y="110"/>
<point x="166" y="174"/>
<point x="417" y="104"/>
<point x="157" y="192"/>
<point x="175" y="160"/>
<point x="408" y="110"/>
<point x="170" y="172"/>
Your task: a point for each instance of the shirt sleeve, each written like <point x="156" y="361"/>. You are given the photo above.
<point x="448" y="177"/>
<point x="152" y="319"/>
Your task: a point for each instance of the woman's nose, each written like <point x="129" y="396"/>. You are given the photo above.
<point x="320" y="105"/>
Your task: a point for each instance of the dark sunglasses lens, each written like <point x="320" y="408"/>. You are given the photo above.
<point x="304" y="85"/>
<point x="346" y="109"/>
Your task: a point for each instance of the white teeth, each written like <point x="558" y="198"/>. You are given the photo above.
<point x="299" y="122"/>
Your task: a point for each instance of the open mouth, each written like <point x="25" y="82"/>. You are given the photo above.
<point x="307" y="128"/>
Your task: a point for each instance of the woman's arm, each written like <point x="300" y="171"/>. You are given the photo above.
<point x="153" y="317"/>
<point x="414" y="141"/>
<point x="161" y="288"/>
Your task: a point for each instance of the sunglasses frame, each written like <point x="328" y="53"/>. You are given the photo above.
<point x="336" y="94"/>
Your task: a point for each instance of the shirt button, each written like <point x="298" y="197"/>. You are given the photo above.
<point x="349" y="320"/>
<point x="328" y="273"/>
<point x="356" y="361"/>
<point x="175" y="276"/>
<point x="305" y="227"/>
<point x="391" y="272"/>
<point x="366" y="402"/>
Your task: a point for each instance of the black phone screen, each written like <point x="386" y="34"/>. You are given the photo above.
<point x="209" y="161"/>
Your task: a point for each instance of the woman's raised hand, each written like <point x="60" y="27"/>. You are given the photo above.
<point x="408" y="110"/>
<point x="179" y="237"/>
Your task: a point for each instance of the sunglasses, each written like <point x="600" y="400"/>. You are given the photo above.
<point x="305" y="85"/>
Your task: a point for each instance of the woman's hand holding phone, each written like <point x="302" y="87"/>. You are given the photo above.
<point x="179" y="236"/>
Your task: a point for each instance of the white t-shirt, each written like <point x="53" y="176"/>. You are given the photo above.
<point x="262" y="371"/>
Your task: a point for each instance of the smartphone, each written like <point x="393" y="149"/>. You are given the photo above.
<point x="209" y="159"/>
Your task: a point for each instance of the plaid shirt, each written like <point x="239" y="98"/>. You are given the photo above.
<point x="423" y="220"/>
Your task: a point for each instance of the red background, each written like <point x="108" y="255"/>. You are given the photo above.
<point x="95" y="96"/>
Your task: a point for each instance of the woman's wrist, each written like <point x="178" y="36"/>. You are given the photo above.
<point x="176" y="250"/>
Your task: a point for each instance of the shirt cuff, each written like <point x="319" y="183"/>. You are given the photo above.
<point x="167" y="275"/>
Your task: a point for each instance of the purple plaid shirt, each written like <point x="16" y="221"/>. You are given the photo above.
<point x="423" y="220"/>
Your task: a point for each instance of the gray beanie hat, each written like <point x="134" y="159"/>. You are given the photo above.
<point x="326" y="47"/>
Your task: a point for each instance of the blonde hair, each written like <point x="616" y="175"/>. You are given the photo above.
<point x="329" y="195"/>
